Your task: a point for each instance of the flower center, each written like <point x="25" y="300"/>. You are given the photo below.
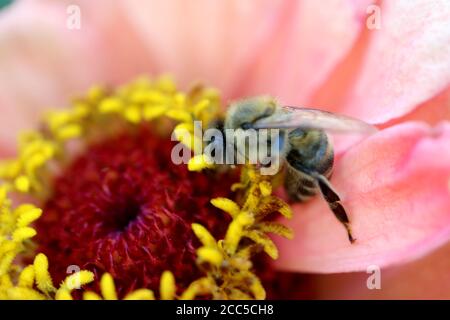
<point x="123" y="207"/>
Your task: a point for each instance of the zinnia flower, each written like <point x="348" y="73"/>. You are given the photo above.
<point x="395" y="184"/>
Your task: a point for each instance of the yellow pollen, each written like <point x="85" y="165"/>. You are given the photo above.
<point x="107" y="287"/>
<point x="167" y="286"/>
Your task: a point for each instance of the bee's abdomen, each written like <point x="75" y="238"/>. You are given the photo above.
<point x="299" y="185"/>
<point x="310" y="153"/>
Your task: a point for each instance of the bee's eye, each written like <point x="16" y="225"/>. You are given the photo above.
<point x="246" y="125"/>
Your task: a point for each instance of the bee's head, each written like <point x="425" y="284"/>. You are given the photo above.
<point x="243" y="113"/>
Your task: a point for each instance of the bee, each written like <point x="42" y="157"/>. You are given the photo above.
<point x="304" y="146"/>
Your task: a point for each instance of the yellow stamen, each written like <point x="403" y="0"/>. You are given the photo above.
<point x="78" y="279"/>
<point x="211" y="255"/>
<point x="43" y="279"/>
<point x="107" y="287"/>
<point x="26" y="277"/>
<point x="266" y="188"/>
<point x="235" y="231"/>
<point x="226" y="205"/>
<point x="140" y="294"/>
<point x="167" y="286"/>
<point x="22" y="183"/>
<point x="27" y="213"/>
<point x="110" y="105"/>
<point x="204" y="236"/>
<point x="63" y="294"/>
<point x="151" y="112"/>
<point x="276" y="228"/>
<point x="200" y="162"/>
<point x="133" y="114"/>
<point x="89" y="295"/>
<point x="23" y="233"/>
<point x="5" y="262"/>
<point x="69" y="132"/>
<point x="197" y="288"/>
<point x="262" y="239"/>
<point x="18" y="293"/>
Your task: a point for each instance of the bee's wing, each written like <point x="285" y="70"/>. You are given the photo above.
<point x="305" y="118"/>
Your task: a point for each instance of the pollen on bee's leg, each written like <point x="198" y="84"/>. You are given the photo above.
<point x="124" y="208"/>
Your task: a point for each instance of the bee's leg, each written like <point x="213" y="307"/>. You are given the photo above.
<point x="334" y="202"/>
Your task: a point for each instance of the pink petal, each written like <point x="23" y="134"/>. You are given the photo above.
<point x="431" y="111"/>
<point x="272" y="47"/>
<point x="210" y="41"/>
<point x="43" y="63"/>
<point x="407" y="62"/>
<point x="426" y="278"/>
<point x="307" y="48"/>
<point x="37" y="66"/>
<point x="395" y="186"/>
